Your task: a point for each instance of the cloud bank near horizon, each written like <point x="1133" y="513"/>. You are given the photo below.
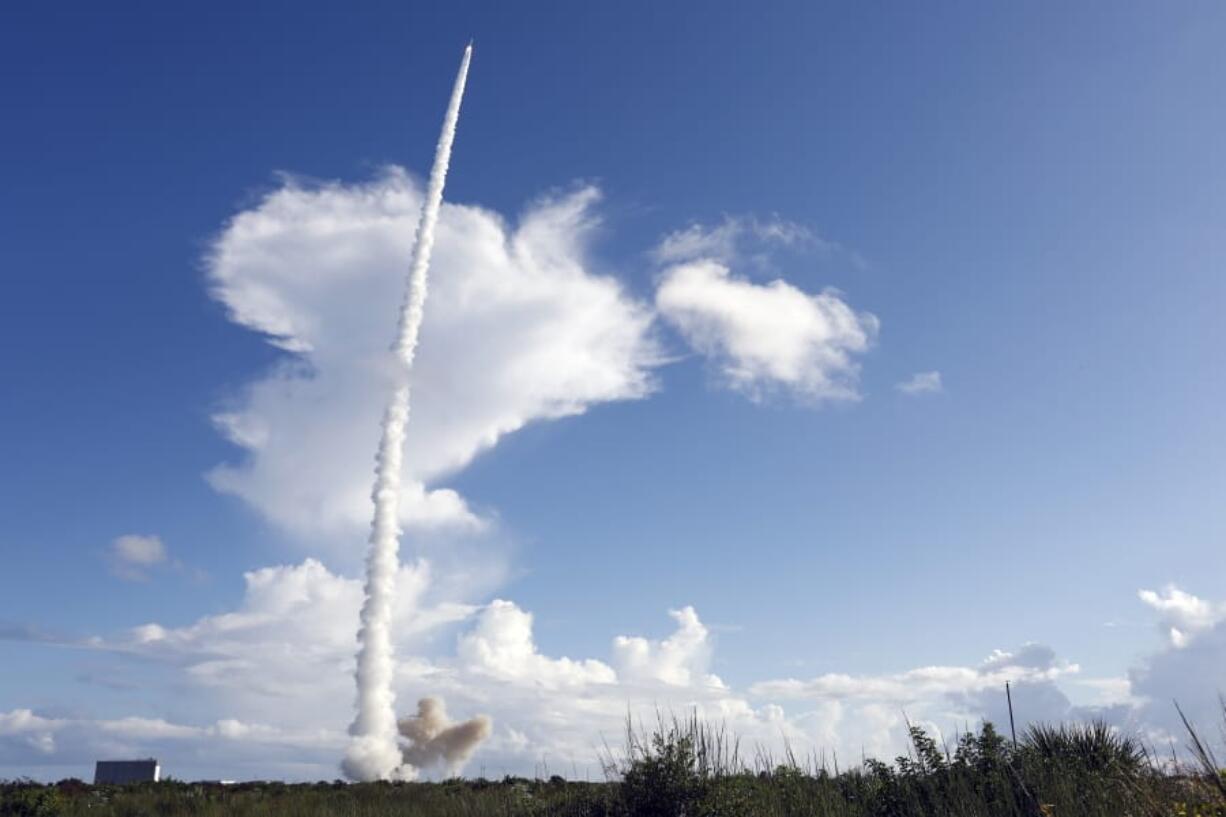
<point x="275" y="674"/>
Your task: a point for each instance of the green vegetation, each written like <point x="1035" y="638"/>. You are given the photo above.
<point x="689" y="769"/>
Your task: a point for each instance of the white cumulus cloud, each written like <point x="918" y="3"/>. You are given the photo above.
<point x="501" y="645"/>
<point x="519" y="329"/>
<point x="276" y="672"/>
<point x="1187" y="671"/>
<point x="681" y="659"/>
<point x="288" y="647"/>
<point x="764" y="337"/>
<point x="1182" y="615"/>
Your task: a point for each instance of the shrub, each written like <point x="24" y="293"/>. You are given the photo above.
<point x="30" y="801"/>
<point x="1090" y="747"/>
<point x="663" y="780"/>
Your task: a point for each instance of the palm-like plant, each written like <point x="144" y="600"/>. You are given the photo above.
<point x="1094" y="747"/>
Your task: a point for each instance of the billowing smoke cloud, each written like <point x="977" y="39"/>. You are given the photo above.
<point x="434" y="739"/>
<point x="373" y="753"/>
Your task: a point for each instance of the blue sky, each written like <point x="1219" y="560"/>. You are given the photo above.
<point x="1030" y="200"/>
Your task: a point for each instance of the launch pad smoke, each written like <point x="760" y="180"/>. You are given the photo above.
<point x="374" y="752"/>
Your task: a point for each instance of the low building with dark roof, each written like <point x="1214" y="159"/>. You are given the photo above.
<point x="118" y="772"/>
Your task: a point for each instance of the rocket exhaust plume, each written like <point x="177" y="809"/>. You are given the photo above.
<point x="434" y="738"/>
<point x="374" y="753"/>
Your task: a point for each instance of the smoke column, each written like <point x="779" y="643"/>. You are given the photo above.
<point x="373" y="752"/>
<point x="434" y="738"/>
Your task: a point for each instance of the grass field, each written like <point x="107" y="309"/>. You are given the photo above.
<point x="689" y="769"/>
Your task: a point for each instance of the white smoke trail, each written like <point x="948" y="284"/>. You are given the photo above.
<point x="373" y="753"/>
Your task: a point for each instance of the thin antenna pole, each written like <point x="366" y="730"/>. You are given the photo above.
<point x="1012" y="729"/>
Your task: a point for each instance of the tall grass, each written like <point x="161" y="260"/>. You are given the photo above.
<point x="1210" y="772"/>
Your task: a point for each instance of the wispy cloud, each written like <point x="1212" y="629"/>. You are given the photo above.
<point x="726" y="241"/>
<point x="138" y="557"/>
<point x="1032" y="663"/>
<point x="134" y="556"/>
<point x="921" y="383"/>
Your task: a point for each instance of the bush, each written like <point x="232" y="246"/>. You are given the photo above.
<point x="663" y="781"/>
<point x="30" y="801"/>
<point x="1091" y="747"/>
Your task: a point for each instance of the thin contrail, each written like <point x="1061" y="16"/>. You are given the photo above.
<point x="373" y="752"/>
